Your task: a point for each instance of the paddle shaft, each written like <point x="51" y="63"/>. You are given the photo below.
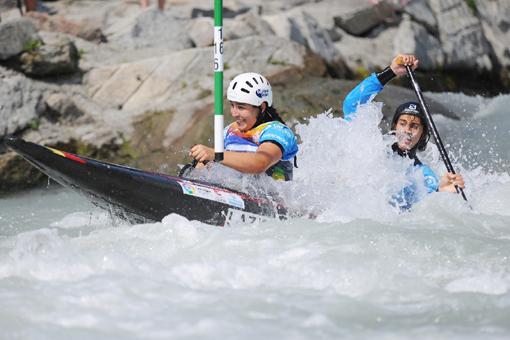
<point x="433" y="128"/>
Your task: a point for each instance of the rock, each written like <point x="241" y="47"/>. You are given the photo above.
<point x="461" y="36"/>
<point x="360" y="17"/>
<point x="199" y="30"/>
<point x="227" y="13"/>
<point x="495" y="18"/>
<point x="21" y="106"/>
<point x="421" y="12"/>
<point x="256" y="23"/>
<point x="413" y="38"/>
<point x="300" y="27"/>
<point x="236" y="29"/>
<point x="177" y="77"/>
<point x="16" y="172"/>
<point x="317" y="38"/>
<point x="285" y="27"/>
<point x="366" y="55"/>
<point x="325" y="11"/>
<point x="185" y="117"/>
<point x="63" y="108"/>
<point x="374" y="54"/>
<point x="150" y="28"/>
<point x="85" y="30"/>
<point x="48" y="60"/>
<point x="7" y="4"/>
<point x="116" y="85"/>
<point x="14" y="35"/>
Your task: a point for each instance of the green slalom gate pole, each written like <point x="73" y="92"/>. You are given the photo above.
<point x="218" y="80"/>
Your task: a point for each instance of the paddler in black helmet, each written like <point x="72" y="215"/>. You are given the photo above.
<point x="410" y="126"/>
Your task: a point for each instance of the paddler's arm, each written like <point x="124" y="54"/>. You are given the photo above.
<point x="375" y="83"/>
<point x="257" y="162"/>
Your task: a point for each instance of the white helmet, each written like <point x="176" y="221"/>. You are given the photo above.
<point x="250" y="88"/>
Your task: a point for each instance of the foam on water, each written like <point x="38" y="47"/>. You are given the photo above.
<point x="361" y="270"/>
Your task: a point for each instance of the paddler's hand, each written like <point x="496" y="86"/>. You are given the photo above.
<point x="398" y="65"/>
<point x="449" y="181"/>
<point x="202" y="153"/>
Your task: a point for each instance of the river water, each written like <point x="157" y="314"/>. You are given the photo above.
<point x="361" y="270"/>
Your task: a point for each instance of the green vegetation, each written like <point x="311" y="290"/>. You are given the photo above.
<point x="472" y="5"/>
<point x="33" y="124"/>
<point x="363" y="72"/>
<point x="184" y="84"/>
<point x="81" y="53"/>
<point x="204" y="94"/>
<point x="32" y="45"/>
<point x="126" y="151"/>
<point x="278" y="62"/>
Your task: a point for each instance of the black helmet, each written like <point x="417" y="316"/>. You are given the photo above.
<point x="413" y="109"/>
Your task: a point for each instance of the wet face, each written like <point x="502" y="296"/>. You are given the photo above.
<point x="409" y="130"/>
<point x="244" y="114"/>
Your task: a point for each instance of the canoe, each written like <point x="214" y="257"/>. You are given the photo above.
<point x="143" y="196"/>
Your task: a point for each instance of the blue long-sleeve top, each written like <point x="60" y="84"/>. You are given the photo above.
<point x="414" y="192"/>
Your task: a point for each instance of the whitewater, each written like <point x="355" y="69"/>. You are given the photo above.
<point x="362" y="269"/>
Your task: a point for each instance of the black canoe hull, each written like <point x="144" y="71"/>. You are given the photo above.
<point x="141" y="196"/>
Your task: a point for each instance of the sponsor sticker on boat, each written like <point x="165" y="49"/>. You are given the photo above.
<point x="212" y="194"/>
<point x="237" y="218"/>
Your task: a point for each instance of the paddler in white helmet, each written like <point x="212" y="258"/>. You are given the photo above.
<point x="411" y="128"/>
<point x="258" y="141"/>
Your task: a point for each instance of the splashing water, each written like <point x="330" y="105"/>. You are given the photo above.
<point x="361" y="270"/>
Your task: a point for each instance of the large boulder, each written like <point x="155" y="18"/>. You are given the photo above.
<point x="421" y="12"/>
<point x="149" y="28"/>
<point x="256" y="23"/>
<point x="7" y="4"/>
<point x="199" y="30"/>
<point x="85" y="30"/>
<point x="325" y="11"/>
<point x="285" y="27"/>
<point x="63" y="108"/>
<point x="48" y="60"/>
<point x="360" y="16"/>
<point x="366" y="55"/>
<point x="186" y="75"/>
<point x="461" y="35"/>
<point x="413" y="38"/>
<point x="301" y="27"/>
<point x="14" y="36"/>
<point x="236" y="29"/>
<point x="22" y="103"/>
<point x="495" y="18"/>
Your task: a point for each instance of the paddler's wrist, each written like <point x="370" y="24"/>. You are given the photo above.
<point x="385" y="75"/>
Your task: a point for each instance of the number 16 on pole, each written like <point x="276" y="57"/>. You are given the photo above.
<point x="218" y="49"/>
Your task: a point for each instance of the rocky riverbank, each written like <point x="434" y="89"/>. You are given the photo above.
<point x="108" y="80"/>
